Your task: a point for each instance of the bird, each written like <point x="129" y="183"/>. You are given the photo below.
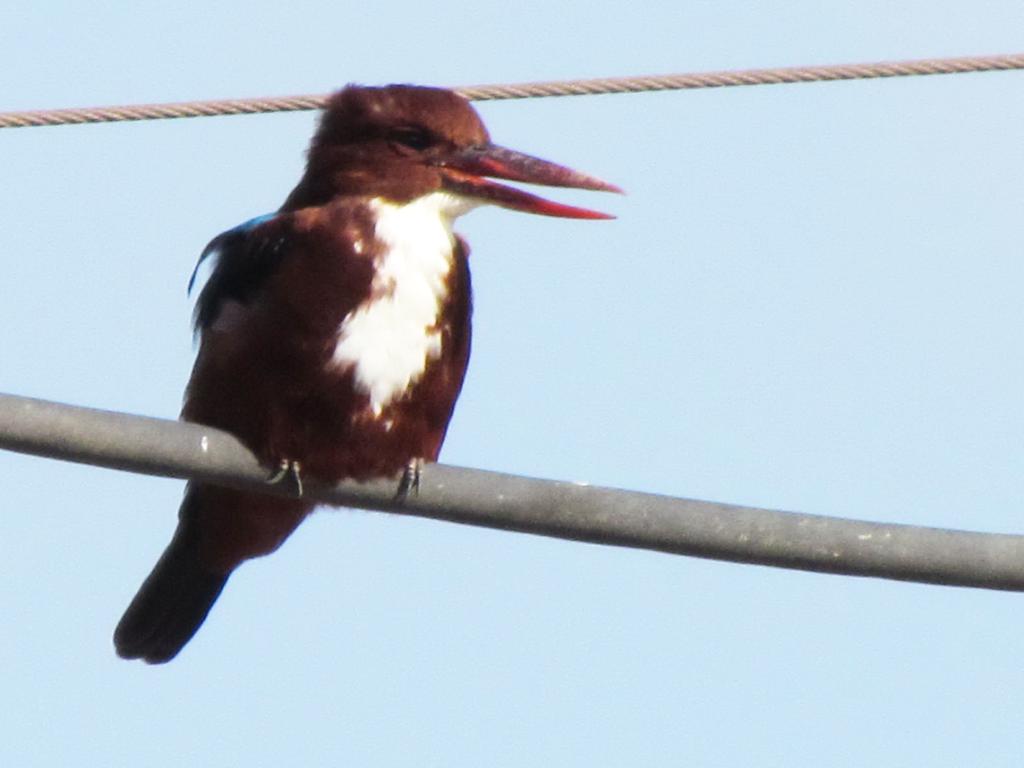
<point x="334" y="333"/>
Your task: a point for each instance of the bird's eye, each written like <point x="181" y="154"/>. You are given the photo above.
<point x="411" y="138"/>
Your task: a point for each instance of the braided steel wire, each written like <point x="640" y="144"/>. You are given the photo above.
<point x="588" y="87"/>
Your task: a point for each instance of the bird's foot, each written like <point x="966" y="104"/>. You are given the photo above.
<point x="410" y="481"/>
<point x="290" y="471"/>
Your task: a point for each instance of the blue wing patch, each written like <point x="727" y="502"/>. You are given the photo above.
<point x="214" y="246"/>
<point x="244" y="258"/>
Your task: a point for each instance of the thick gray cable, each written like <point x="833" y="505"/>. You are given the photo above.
<point x="549" y="508"/>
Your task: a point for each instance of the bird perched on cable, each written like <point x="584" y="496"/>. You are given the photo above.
<point x="334" y="333"/>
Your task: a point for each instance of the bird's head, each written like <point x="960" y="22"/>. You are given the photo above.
<point x="401" y="142"/>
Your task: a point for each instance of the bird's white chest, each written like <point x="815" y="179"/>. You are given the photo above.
<point x="388" y="340"/>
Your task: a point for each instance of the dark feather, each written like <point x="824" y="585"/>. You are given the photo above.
<point x="174" y="600"/>
<point x="245" y="257"/>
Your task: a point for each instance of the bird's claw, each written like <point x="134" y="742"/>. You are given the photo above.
<point x="288" y="470"/>
<point x="410" y="480"/>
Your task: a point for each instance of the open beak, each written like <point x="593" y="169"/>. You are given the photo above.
<point x="465" y="173"/>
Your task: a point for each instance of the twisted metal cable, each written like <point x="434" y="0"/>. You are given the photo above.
<point x="594" y="86"/>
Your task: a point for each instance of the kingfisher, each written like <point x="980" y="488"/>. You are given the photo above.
<point x="334" y="334"/>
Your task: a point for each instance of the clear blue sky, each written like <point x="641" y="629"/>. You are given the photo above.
<point x="811" y="300"/>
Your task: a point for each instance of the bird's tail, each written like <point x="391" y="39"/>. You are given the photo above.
<point x="174" y="599"/>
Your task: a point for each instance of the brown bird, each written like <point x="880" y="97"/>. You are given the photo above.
<point x="334" y="333"/>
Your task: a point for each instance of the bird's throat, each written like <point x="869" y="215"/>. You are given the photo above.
<point x="391" y="337"/>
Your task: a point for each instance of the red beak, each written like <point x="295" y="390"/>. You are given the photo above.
<point x="465" y="171"/>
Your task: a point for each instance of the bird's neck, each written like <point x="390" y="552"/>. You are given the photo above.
<point x="390" y="338"/>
